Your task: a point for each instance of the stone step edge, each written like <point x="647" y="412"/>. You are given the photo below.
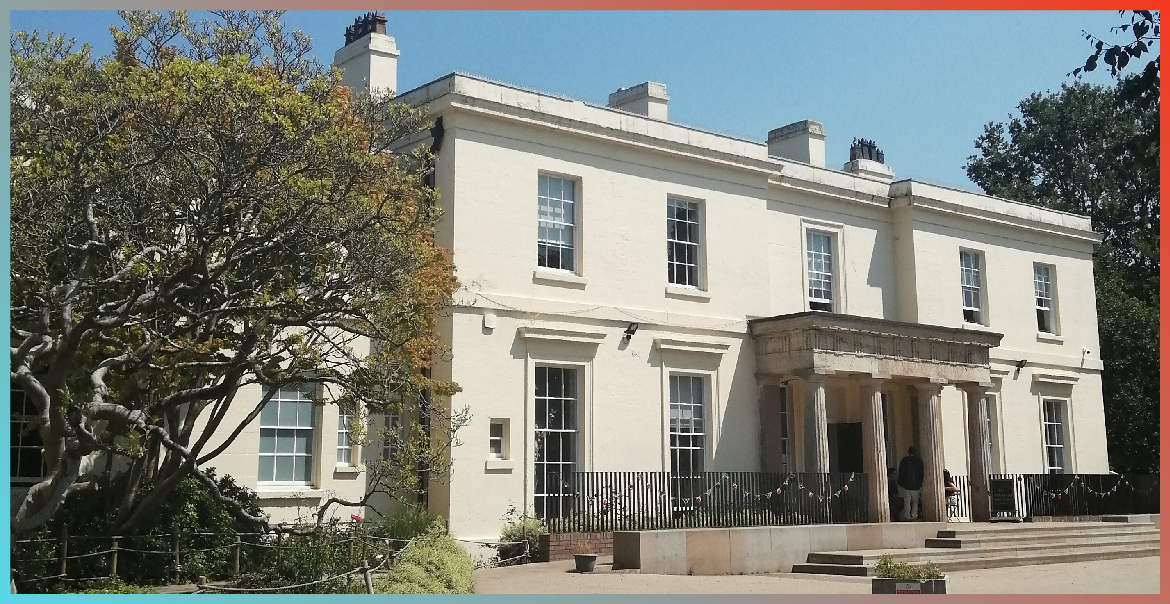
<point x="986" y="562"/>
<point x="924" y="555"/>
<point x="1112" y="527"/>
<point x="965" y="543"/>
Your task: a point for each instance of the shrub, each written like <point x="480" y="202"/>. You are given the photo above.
<point x="432" y="564"/>
<point x="206" y="528"/>
<point x="888" y="569"/>
<point x="522" y="528"/>
<point x="114" y="587"/>
<point x="405" y="524"/>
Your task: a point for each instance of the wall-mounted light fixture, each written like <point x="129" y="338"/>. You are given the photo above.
<point x="1019" y="366"/>
<point x="630" y="331"/>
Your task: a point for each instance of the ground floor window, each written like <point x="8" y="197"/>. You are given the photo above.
<point x="28" y="464"/>
<point x="555" y="440"/>
<point x="344" y="443"/>
<point x="992" y="445"/>
<point x="1054" y="436"/>
<point x="687" y="426"/>
<point x="286" y="436"/>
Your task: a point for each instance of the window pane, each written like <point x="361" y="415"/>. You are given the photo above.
<point x="284" y="469"/>
<point x="268" y="413"/>
<point x="267" y="441"/>
<point x="266" y="469"/>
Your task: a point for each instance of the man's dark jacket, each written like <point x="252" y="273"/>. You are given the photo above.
<point x="910" y="473"/>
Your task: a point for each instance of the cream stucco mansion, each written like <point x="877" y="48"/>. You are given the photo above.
<point x="639" y="295"/>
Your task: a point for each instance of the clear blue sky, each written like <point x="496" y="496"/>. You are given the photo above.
<point x="922" y="84"/>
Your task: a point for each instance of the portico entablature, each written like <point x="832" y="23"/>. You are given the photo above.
<point x="813" y="343"/>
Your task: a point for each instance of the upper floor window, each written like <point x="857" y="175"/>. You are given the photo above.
<point x="820" y="271"/>
<point x="556" y="223"/>
<point x="972" y="282"/>
<point x="1045" y="308"/>
<point x="497" y="437"/>
<point x="682" y="242"/>
<point x="28" y="464"/>
<point x="391" y="436"/>
<point x="287" y="424"/>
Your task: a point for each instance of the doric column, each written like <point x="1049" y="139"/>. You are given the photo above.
<point x="816" y="424"/>
<point x="930" y="438"/>
<point x="873" y="444"/>
<point x="979" y="458"/>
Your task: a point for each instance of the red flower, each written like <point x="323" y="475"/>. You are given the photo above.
<point x="355" y="517"/>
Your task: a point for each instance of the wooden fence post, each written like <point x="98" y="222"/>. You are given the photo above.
<point x="64" y="549"/>
<point x="175" y="540"/>
<point x="114" y="558"/>
<point x="236" y="558"/>
<point x="362" y="531"/>
<point x="279" y="541"/>
<point x="369" y="580"/>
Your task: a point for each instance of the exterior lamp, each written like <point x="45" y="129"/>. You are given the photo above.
<point x="630" y="331"/>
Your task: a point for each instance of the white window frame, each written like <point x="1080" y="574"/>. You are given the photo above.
<point x="304" y="394"/>
<point x="786" y="436"/>
<point x="542" y="499"/>
<point x="994" y="442"/>
<point x="836" y="233"/>
<point x="977" y="273"/>
<point x="501" y="440"/>
<point x="1048" y="403"/>
<point x="345" y="446"/>
<point x="391" y="435"/>
<point x="26" y="441"/>
<point x="678" y="408"/>
<point x="571" y="225"/>
<point x="697" y="280"/>
<point x="1045" y="304"/>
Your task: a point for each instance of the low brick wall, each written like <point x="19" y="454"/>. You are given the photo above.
<point x="559" y="546"/>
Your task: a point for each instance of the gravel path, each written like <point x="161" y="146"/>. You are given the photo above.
<point x="1125" y="576"/>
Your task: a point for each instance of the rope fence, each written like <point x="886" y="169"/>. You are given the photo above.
<point x="146" y="558"/>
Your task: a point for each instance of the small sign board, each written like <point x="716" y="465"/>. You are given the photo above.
<point x="908" y="588"/>
<point x="1003" y="497"/>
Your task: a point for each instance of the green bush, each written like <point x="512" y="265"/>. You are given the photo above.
<point x="432" y="564"/>
<point x="206" y="530"/>
<point x="405" y="524"/>
<point x="114" y="587"/>
<point x="523" y="528"/>
<point x="888" y="569"/>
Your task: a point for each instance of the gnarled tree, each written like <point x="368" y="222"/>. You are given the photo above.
<point x="204" y="210"/>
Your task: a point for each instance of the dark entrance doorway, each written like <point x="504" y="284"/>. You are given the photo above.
<point x="845" y="453"/>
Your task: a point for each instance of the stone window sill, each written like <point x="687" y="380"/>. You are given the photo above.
<point x="689" y="293"/>
<point x="503" y="466"/>
<point x="347" y="470"/>
<point x="1049" y="337"/>
<point x="290" y="493"/>
<point x="558" y="278"/>
<point x="976" y="326"/>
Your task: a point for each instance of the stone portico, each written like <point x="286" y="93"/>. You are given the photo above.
<point x="814" y="367"/>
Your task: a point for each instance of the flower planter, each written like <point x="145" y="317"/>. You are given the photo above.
<point x="896" y="586"/>
<point x="584" y="562"/>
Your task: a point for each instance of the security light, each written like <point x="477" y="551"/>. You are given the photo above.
<point x="630" y="331"/>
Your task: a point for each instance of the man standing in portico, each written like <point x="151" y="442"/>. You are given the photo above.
<point x="910" y="475"/>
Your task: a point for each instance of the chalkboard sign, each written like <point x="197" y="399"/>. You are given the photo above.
<point x="1003" y="497"/>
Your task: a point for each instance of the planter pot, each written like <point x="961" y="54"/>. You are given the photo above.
<point x="585" y="562"/>
<point x="895" y="586"/>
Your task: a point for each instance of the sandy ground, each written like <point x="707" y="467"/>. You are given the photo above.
<point x="1124" y="576"/>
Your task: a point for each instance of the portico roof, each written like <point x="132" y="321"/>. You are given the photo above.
<point x="826" y="343"/>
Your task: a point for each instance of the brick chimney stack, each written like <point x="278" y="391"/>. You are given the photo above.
<point x="369" y="56"/>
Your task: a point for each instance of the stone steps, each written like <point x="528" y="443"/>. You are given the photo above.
<point x="969" y="539"/>
<point x="1000" y="546"/>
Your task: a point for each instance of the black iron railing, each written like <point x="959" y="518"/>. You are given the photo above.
<point x="959" y="504"/>
<point x="1084" y="494"/>
<point x="632" y="501"/>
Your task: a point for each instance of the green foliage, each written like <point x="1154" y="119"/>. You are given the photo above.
<point x="519" y="528"/>
<point x="204" y="211"/>
<point x="206" y="530"/>
<point x="113" y="587"/>
<point x="433" y="564"/>
<point x="1095" y="151"/>
<point x="888" y="569"/>
<point x="404" y="524"/>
